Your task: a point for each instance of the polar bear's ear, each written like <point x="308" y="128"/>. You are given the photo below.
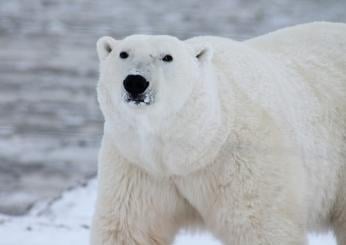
<point x="203" y="52"/>
<point x="104" y="46"/>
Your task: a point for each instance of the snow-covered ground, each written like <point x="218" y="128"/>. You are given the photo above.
<point x="66" y="220"/>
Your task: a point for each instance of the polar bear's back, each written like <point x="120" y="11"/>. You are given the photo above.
<point x="304" y="38"/>
<point x="317" y="53"/>
<point x="313" y="49"/>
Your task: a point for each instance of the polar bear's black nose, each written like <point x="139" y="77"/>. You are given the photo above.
<point x="135" y="84"/>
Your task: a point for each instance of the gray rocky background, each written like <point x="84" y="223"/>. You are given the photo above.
<point x="50" y="125"/>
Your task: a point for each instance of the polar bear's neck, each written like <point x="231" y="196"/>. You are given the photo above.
<point x="196" y="133"/>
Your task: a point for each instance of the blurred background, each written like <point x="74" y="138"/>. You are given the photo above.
<point x="50" y="124"/>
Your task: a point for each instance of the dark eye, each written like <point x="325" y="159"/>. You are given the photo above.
<point x="123" y="55"/>
<point x="167" y="58"/>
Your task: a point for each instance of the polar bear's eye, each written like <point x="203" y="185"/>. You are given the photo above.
<point x="123" y="55"/>
<point x="167" y="58"/>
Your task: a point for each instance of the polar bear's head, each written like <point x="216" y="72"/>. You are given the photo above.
<point x="142" y="73"/>
<point x="158" y="96"/>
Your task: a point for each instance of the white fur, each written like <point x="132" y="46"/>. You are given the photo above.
<point x="246" y="139"/>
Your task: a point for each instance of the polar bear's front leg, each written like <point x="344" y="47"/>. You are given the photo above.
<point x="256" y="211"/>
<point x="134" y="208"/>
<point x="267" y="228"/>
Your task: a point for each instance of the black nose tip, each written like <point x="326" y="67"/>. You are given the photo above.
<point x="135" y="84"/>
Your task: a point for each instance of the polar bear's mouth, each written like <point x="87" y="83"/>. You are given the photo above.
<point x="146" y="98"/>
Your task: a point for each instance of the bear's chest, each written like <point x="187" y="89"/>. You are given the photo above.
<point x="163" y="153"/>
<point x="142" y="148"/>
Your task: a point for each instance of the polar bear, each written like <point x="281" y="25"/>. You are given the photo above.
<point x="245" y="139"/>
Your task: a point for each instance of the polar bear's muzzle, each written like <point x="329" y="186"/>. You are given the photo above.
<point x="136" y="90"/>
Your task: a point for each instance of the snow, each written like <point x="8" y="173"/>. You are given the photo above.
<point x="66" y="220"/>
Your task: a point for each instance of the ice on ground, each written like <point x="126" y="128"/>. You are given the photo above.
<point x="66" y="220"/>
